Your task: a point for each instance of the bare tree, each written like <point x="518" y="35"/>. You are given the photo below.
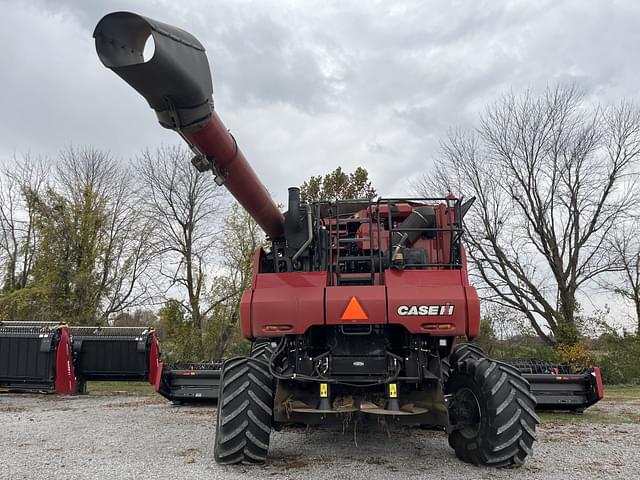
<point x="73" y="245"/>
<point x="553" y="179"/>
<point x="626" y="282"/>
<point x="20" y="183"/>
<point x="184" y="206"/>
<point x="121" y="237"/>
<point x="240" y="239"/>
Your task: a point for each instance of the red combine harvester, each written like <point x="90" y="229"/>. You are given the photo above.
<point x="354" y="307"/>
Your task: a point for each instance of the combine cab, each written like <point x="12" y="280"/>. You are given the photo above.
<point x="353" y="308"/>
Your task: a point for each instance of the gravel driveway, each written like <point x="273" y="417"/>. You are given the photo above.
<point x="118" y="437"/>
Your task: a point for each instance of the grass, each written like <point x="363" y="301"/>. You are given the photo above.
<point x="120" y="388"/>
<point x="603" y="413"/>
<point x="622" y="392"/>
<point x="592" y="416"/>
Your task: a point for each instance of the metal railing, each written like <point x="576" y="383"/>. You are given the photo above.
<point x="338" y="216"/>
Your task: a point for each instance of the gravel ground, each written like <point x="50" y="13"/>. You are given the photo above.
<point x="121" y="437"/>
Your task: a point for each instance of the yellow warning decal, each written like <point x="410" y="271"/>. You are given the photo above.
<point x="393" y="390"/>
<point x="324" y="390"/>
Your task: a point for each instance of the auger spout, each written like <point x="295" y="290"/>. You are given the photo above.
<point x="176" y="81"/>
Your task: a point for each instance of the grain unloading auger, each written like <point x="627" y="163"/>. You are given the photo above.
<point x="354" y="309"/>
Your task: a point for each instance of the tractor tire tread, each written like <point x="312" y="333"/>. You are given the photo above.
<point x="245" y="412"/>
<point x="507" y="428"/>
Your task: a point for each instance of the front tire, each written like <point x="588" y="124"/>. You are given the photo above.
<point x="491" y="411"/>
<point x="245" y="412"/>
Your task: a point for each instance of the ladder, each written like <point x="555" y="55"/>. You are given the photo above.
<point x="347" y="278"/>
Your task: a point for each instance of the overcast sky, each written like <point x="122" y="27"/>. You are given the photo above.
<point x="307" y="86"/>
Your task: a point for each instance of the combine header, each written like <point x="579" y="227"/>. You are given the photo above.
<point x="36" y="356"/>
<point x="558" y="387"/>
<point x="53" y="357"/>
<point x="115" y="354"/>
<point x="354" y="307"/>
<point x="197" y="382"/>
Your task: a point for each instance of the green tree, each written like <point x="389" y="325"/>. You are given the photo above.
<point x="338" y="185"/>
<point x="89" y="249"/>
<point x="67" y="253"/>
<point x="180" y="341"/>
<point x="20" y="184"/>
<point x="240" y="239"/>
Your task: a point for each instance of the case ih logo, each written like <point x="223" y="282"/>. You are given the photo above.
<point x="425" y="310"/>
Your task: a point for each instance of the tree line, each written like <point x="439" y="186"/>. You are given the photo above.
<point x="88" y="240"/>
<point x="555" y="218"/>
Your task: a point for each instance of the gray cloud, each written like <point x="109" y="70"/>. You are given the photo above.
<point x="308" y="86"/>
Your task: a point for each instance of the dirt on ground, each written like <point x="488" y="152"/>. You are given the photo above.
<point x="123" y="436"/>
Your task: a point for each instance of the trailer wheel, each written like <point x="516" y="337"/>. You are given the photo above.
<point x="491" y="412"/>
<point x="245" y="412"/>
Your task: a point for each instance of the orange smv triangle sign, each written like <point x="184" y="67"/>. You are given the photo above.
<point x="354" y="311"/>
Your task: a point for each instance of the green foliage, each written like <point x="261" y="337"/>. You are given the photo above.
<point x="242" y="237"/>
<point x="338" y="185"/>
<point x="179" y="340"/>
<point x="28" y="303"/>
<point x="487" y="339"/>
<point x="81" y="246"/>
<point x="578" y="355"/>
<point x="618" y="357"/>
<point x="67" y="255"/>
<point x="64" y="283"/>
<point x="522" y="346"/>
<point x="139" y="318"/>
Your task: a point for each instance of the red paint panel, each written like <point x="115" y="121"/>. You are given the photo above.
<point x="297" y="307"/>
<point x="473" y="312"/>
<point x="245" y="314"/>
<point x="401" y="210"/>
<point x="65" y="382"/>
<point x="448" y="295"/>
<point x="372" y="299"/>
<point x="370" y="238"/>
<point x="154" y="360"/>
<point x="422" y="278"/>
<point x="157" y="381"/>
<point x="599" y="385"/>
<point x="291" y="279"/>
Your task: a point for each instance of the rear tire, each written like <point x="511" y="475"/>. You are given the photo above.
<point x="491" y="410"/>
<point x="245" y="412"/>
<point x="462" y="351"/>
<point x="262" y="349"/>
